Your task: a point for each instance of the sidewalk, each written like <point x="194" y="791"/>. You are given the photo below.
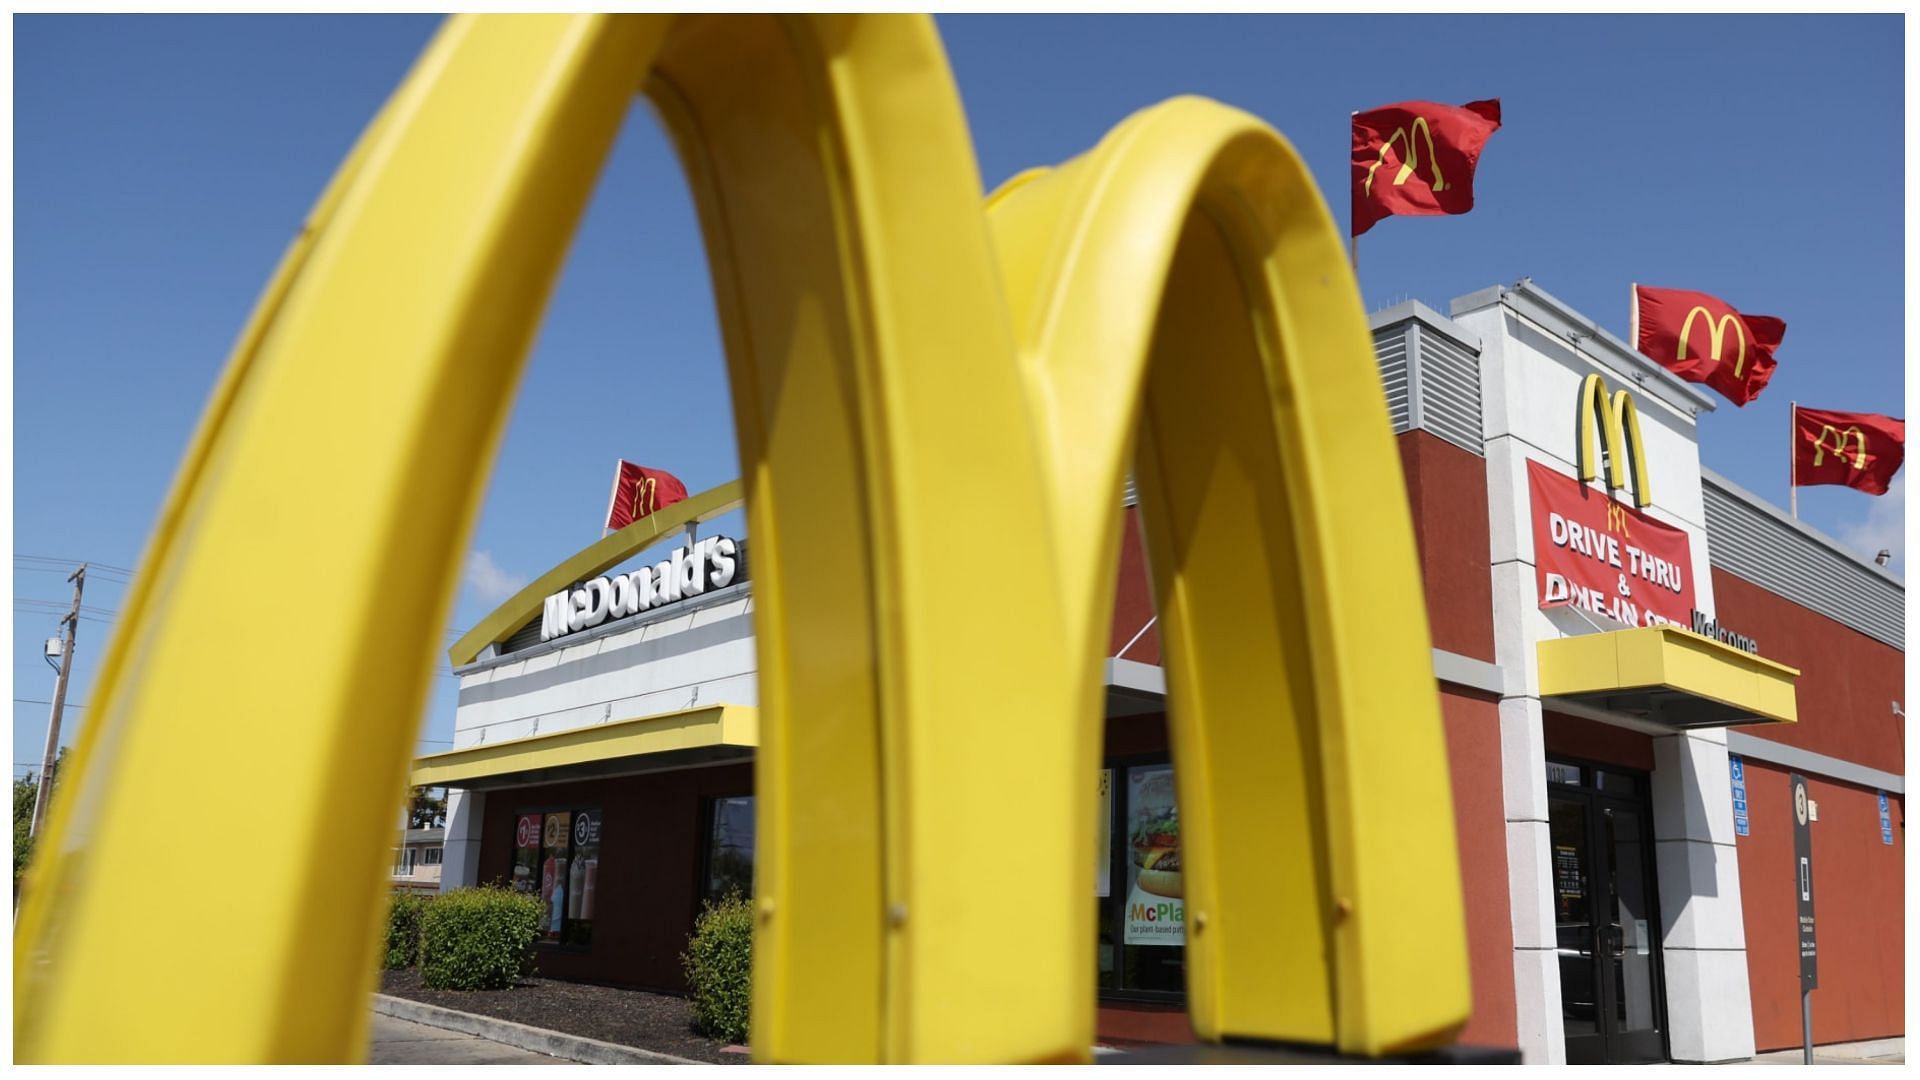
<point x="426" y="1029"/>
<point x="403" y="1042"/>
<point x="1872" y="1052"/>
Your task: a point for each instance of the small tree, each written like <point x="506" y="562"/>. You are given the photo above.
<point x="719" y="967"/>
<point x="426" y="809"/>
<point x="26" y="792"/>
<point x="477" y="939"/>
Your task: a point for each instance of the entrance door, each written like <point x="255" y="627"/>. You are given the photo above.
<point x="1608" y="930"/>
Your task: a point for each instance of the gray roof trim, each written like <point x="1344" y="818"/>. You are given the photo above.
<point x="1148" y="679"/>
<point x="1414" y="309"/>
<point x="1833" y="768"/>
<point x="1556" y="316"/>
<point x="1453" y="667"/>
<point x="1807" y="531"/>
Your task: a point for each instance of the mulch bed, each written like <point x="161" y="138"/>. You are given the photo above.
<point x="659" y="1022"/>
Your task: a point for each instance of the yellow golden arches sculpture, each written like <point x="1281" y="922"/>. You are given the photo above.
<point x="863" y="292"/>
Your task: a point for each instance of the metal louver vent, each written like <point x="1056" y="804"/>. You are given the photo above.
<point x="1430" y="370"/>
<point x="1757" y="543"/>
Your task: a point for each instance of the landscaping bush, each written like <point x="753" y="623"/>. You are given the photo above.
<point x="478" y="939"/>
<point x="719" y="967"/>
<point x="403" y="929"/>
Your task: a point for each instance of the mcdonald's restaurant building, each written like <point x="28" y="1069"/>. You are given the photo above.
<point x="1626" y="683"/>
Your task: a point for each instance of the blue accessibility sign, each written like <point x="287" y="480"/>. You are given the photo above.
<point x="1739" y="772"/>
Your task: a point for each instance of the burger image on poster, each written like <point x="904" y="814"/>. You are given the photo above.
<point x="1155" y="835"/>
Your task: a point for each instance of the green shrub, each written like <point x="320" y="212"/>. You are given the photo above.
<point x="478" y="939"/>
<point x="719" y="967"/>
<point x="403" y="929"/>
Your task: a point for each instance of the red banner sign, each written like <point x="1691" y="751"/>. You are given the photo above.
<point x="1604" y="556"/>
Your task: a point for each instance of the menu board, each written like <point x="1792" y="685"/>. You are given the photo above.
<point x="526" y="853"/>
<point x="557" y="856"/>
<point x="1156" y="908"/>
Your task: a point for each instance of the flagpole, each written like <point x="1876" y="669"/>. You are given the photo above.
<point x="1793" y="459"/>
<point x="1633" y="314"/>
<point x="1353" y="240"/>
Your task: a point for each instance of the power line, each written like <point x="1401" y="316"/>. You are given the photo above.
<point x="38" y="701"/>
<point x="91" y="565"/>
<point x="89" y="608"/>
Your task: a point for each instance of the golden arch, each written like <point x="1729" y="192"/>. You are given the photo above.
<point x="1613" y="423"/>
<point x="1840" y="439"/>
<point x="860" y="297"/>
<point x="1410" y="160"/>
<point x="1716" y="337"/>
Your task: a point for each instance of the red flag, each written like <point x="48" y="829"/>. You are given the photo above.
<point x="1859" y="449"/>
<point x="639" y="491"/>
<point x="1703" y="339"/>
<point x="1417" y="157"/>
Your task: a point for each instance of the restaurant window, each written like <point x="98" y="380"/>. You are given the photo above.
<point x="556" y="855"/>
<point x="729" y="848"/>
<point x="1141" y="890"/>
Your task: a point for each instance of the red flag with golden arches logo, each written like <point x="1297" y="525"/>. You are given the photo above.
<point x="1703" y="339"/>
<point x="1861" y="450"/>
<point x="1417" y="158"/>
<point x="639" y="491"/>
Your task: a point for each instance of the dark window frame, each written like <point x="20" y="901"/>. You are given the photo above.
<point x="709" y="808"/>
<point x="1641" y="801"/>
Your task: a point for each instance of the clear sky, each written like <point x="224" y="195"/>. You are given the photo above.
<point x="161" y="165"/>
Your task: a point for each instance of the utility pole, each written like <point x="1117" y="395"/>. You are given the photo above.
<point x="72" y="623"/>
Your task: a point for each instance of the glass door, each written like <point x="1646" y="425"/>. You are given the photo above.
<point x="1629" y="933"/>
<point x="1606" y="926"/>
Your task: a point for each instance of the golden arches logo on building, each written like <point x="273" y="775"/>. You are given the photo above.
<point x="1716" y="337"/>
<point x="1840" y="438"/>
<point x="1410" y="158"/>
<point x="1610" y="425"/>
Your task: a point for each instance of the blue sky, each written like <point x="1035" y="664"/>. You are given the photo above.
<point x="161" y="165"/>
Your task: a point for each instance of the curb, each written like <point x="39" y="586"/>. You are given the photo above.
<point x="539" y="1040"/>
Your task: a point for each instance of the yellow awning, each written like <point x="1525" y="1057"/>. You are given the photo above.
<point x="1669" y="677"/>
<point x="645" y="744"/>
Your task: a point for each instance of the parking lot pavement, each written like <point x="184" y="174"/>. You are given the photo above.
<point x="403" y="1042"/>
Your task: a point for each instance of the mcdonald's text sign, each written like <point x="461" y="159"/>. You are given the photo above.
<point x="1595" y="553"/>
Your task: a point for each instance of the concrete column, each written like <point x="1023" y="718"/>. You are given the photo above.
<point x="1536" y="962"/>
<point x="460" y="865"/>
<point x="1703" y="942"/>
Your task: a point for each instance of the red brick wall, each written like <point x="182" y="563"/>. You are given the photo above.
<point x="1847" y="679"/>
<point x="1133" y="597"/>
<point x="1472" y="722"/>
<point x="1447" y="496"/>
<point x="1575" y="737"/>
<point x="1447" y="493"/>
<point x="1859" y="908"/>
